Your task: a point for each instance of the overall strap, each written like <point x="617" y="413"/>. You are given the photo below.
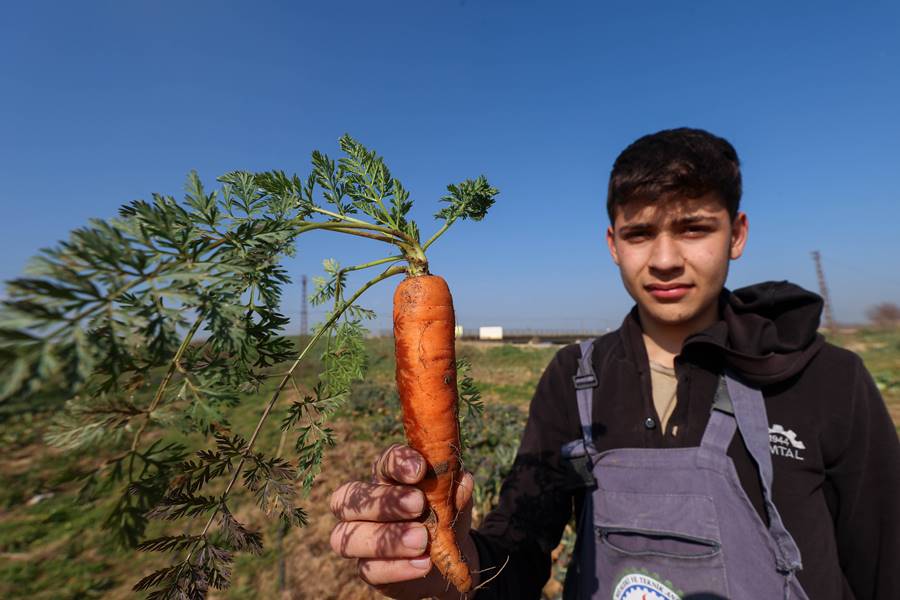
<point x="585" y="381"/>
<point x="722" y="425"/>
<point x="750" y="413"/>
<point x="578" y="454"/>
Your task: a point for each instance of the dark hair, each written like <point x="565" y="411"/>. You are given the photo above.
<point x="685" y="162"/>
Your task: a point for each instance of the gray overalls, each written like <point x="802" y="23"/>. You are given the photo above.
<point x="675" y="523"/>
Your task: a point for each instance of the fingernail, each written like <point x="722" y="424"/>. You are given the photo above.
<point x="410" y="467"/>
<point x="413" y="503"/>
<point x="415" y="538"/>
<point x="421" y="563"/>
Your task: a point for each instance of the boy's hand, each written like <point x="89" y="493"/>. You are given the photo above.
<point x="380" y="524"/>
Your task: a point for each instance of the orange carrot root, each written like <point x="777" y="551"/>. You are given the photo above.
<point x="424" y="332"/>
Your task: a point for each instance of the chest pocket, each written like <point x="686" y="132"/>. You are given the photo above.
<point x="668" y="537"/>
<point x="667" y="525"/>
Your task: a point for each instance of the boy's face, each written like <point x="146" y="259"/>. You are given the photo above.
<point x="673" y="257"/>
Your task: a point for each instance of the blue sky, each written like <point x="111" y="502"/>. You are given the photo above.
<point x="105" y="102"/>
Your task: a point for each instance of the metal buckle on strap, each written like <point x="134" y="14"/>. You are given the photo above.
<point x="585" y="381"/>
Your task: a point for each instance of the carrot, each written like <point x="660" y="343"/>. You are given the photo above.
<point x="424" y="327"/>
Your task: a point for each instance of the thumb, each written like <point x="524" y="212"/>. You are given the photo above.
<point x="464" y="490"/>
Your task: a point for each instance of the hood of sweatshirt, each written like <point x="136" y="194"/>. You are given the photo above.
<point x="767" y="333"/>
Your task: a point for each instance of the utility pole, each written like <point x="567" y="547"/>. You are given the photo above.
<point x="304" y="324"/>
<point x="823" y="291"/>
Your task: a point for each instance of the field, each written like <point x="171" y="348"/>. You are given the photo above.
<point x="52" y="545"/>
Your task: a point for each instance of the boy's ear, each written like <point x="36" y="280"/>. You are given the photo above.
<point x="740" y="227"/>
<point x="611" y="242"/>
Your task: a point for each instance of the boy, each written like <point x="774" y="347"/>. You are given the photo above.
<point x="713" y="446"/>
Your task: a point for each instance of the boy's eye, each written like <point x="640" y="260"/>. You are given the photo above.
<point x="697" y="230"/>
<point x="636" y="235"/>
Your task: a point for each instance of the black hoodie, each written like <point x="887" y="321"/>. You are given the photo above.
<point x="839" y="495"/>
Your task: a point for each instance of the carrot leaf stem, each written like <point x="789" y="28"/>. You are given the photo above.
<point x="438" y="233"/>
<point x="338" y="216"/>
<point x="374" y="263"/>
<point x="160" y="391"/>
<point x="389" y="272"/>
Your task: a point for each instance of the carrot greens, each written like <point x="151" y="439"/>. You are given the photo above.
<point x="167" y="316"/>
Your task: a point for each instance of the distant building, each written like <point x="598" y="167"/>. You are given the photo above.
<point x="490" y="333"/>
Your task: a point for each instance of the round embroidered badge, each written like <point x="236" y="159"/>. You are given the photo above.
<point x="640" y="586"/>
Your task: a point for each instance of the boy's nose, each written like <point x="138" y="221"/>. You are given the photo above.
<point x="665" y="255"/>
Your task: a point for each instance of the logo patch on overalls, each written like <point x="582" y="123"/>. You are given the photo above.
<point x="784" y="442"/>
<point x="641" y="586"/>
